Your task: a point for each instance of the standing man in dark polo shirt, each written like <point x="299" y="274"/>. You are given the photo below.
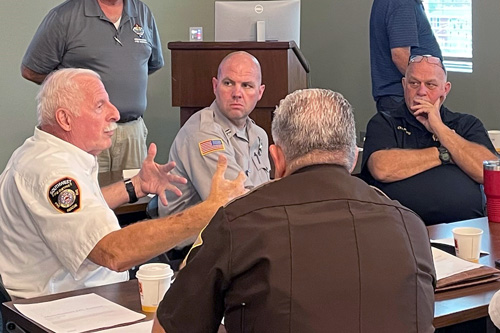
<point x="315" y="251"/>
<point x="425" y="156"/>
<point x="398" y="29"/>
<point x="119" y="40"/>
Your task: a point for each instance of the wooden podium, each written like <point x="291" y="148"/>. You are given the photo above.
<point x="284" y="70"/>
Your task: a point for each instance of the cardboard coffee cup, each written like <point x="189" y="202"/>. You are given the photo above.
<point x="467" y="243"/>
<point x="495" y="139"/>
<point x="154" y="281"/>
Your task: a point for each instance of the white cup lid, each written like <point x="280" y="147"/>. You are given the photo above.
<point x="155" y="270"/>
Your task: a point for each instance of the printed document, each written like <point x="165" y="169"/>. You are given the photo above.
<point x="79" y="313"/>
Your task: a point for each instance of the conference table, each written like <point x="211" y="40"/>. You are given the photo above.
<point x="451" y="307"/>
<point x="469" y="303"/>
<point x="123" y="293"/>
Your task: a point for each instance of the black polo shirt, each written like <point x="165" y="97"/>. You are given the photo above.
<point x="441" y="194"/>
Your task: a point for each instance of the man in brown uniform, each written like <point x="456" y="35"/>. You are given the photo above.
<point x="315" y="251"/>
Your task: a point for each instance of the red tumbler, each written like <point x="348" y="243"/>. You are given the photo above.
<point x="492" y="189"/>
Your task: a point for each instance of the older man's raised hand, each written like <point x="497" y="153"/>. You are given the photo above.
<point x="224" y="190"/>
<point x="156" y="178"/>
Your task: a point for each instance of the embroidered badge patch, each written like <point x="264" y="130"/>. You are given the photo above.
<point x="210" y="146"/>
<point x="138" y="30"/>
<point x="64" y="195"/>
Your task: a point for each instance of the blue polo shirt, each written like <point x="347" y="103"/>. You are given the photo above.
<point x="78" y="34"/>
<point x="397" y="23"/>
<point x="441" y="194"/>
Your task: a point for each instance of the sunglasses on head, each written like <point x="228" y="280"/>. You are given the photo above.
<point x="430" y="59"/>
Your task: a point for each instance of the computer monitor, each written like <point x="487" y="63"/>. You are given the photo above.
<point x="236" y="21"/>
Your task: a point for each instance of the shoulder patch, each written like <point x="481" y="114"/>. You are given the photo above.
<point x="64" y="195"/>
<point x="210" y="146"/>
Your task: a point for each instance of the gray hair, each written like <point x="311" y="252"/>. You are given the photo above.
<point x="60" y="89"/>
<point x="314" y="121"/>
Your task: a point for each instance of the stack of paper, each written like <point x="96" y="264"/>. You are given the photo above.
<point x="453" y="272"/>
<point x="129" y="173"/>
<point x="82" y="313"/>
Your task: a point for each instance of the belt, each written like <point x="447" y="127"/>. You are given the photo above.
<point x="127" y="119"/>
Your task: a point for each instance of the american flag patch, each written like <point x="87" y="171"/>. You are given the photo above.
<point x="209" y="146"/>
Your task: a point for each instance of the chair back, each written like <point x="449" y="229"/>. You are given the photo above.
<point x="4" y="295"/>
<point x="152" y="208"/>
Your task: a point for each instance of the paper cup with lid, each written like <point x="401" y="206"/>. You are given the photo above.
<point x="154" y="280"/>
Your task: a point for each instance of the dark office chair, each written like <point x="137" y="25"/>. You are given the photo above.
<point x="152" y="208"/>
<point x="4" y="295"/>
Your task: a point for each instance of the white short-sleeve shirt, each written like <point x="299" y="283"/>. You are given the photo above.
<point x="52" y="214"/>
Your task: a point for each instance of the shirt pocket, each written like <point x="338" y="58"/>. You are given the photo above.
<point x="261" y="167"/>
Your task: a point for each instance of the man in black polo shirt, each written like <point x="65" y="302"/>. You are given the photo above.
<point x="426" y="156"/>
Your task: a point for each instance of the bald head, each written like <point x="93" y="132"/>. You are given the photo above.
<point x="238" y="87"/>
<point x="243" y="58"/>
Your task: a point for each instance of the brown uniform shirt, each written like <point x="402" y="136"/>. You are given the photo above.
<point x="317" y="251"/>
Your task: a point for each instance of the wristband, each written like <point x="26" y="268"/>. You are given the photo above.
<point x="130" y="190"/>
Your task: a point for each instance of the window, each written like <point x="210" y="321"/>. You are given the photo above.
<point x="451" y="21"/>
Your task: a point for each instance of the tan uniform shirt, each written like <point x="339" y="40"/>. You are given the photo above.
<point x="195" y="151"/>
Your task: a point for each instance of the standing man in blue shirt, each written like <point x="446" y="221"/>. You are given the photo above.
<point x="117" y="39"/>
<point x="398" y="29"/>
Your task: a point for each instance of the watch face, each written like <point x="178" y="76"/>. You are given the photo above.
<point x="444" y="155"/>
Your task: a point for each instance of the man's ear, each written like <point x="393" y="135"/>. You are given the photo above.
<point x="261" y="90"/>
<point x="214" y="84"/>
<point x="63" y="119"/>
<point x="447" y="88"/>
<point x="279" y="161"/>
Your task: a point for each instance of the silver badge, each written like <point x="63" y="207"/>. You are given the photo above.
<point x="138" y="30"/>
